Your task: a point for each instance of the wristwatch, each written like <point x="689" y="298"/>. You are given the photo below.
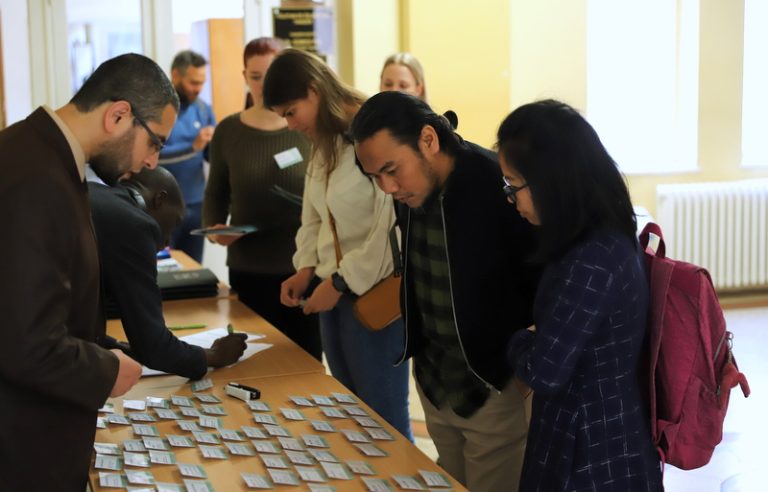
<point x="339" y="283"/>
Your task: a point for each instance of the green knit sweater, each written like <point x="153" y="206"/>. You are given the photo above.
<point x="243" y="171"/>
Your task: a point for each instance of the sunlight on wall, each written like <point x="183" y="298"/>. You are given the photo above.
<point x="755" y="100"/>
<point x="642" y="91"/>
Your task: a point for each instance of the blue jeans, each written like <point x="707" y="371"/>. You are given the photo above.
<point x="363" y="361"/>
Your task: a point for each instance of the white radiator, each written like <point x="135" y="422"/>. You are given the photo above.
<point x="721" y="226"/>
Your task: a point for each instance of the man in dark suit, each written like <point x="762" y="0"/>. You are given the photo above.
<point x="133" y="221"/>
<point x="54" y="376"/>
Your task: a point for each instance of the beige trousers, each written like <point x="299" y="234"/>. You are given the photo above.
<point x="485" y="451"/>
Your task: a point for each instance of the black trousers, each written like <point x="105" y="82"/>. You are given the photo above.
<point x="261" y="293"/>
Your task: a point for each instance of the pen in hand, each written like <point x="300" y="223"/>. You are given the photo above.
<point x="227" y="349"/>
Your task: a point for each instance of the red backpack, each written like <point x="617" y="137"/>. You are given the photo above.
<point x="691" y="367"/>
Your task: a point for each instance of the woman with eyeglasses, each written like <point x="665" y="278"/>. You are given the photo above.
<point x="589" y="427"/>
<point x="343" y="239"/>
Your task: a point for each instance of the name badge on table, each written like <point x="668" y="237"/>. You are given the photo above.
<point x="288" y="158"/>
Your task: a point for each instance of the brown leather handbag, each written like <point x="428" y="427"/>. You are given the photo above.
<point x="380" y="306"/>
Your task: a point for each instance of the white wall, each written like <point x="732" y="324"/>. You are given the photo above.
<point x="16" y="70"/>
<point x="215" y="259"/>
<point x="257" y="15"/>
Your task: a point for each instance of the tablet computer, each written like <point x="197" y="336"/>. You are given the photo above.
<point x="225" y="231"/>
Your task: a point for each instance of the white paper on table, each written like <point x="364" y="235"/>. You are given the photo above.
<point x="206" y="338"/>
<point x="168" y="265"/>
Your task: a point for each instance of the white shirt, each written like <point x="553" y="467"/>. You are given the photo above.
<point x="364" y="215"/>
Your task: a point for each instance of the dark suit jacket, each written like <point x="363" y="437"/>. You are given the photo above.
<point x="128" y="239"/>
<point x="53" y="376"/>
<point x="492" y="285"/>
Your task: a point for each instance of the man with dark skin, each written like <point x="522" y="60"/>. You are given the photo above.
<point x="133" y="221"/>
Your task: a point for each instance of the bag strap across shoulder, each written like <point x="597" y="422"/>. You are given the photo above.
<point x="336" y="244"/>
<point x="397" y="261"/>
<point x="653" y="228"/>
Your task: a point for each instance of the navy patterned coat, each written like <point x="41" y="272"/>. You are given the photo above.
<point x="589" y="426"/>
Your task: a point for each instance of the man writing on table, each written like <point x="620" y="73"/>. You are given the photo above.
<point x="133" y="221"/>
<point x="54" y="376"/>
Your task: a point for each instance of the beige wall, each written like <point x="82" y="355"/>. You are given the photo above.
<point x="485" y="58"/>
<point x="721" y="59"/>
<point x="548" y="51"/>
<point x="368" y="32"/>
<point x="464" y="48"/>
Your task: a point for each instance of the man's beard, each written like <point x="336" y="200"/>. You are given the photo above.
<point x="114" y="159"/>
<point x="432" y="178"/>
<point x="183" y="96"/>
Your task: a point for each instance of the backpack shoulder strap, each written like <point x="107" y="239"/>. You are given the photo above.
<point x="652" y="228"/>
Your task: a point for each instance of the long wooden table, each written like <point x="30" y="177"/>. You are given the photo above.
<point x="403" y="458"/>
<point x="280" y="372"/>
<point x="283" y="358"/>
<point x="187" y="263"/>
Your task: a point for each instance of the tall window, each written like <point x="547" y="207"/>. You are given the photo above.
<point x="642" y="82"/>
<point x="755" y="79"/>
<point x="98" y="31"/>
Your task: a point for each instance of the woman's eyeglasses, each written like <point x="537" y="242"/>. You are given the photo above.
<point x="511" y="191"/>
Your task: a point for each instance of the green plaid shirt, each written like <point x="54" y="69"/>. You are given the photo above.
<point x="441" y="370"/>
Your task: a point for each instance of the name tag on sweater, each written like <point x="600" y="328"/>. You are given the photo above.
<point x="288" y="158"/>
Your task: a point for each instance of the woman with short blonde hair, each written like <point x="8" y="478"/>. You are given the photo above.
<point x="403" y="72"/>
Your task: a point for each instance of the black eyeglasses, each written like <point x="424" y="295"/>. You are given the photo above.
<point x="157" y="142"/>
<point x="511" y="191"/>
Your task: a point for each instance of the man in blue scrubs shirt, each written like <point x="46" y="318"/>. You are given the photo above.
<point x="186" y="149"/>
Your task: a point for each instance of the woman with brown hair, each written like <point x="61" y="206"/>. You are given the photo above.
<point x="340" y="201"/>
